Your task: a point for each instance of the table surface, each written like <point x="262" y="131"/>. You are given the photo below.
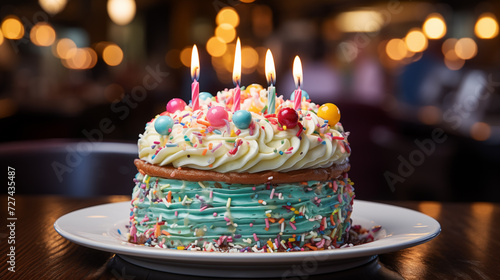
<point x="467" y="248"/>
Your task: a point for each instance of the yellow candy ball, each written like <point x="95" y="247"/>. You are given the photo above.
<point x="330" y="112"/>
<point x="255" y="86"/>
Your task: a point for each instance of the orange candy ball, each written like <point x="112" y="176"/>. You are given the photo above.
<point x="330" y="112"/>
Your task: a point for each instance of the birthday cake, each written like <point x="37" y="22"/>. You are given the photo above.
<point x="211" y="179"/>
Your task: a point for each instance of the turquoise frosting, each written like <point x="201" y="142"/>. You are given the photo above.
<point x="199" y="212"/>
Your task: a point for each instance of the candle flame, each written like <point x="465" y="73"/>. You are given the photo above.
<point x="237" y="64"/>
<point x="297" y="71"/>
<point x="195" y="64"/>
<point x="270" y="70"/>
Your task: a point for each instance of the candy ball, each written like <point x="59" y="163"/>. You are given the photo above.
<point x="242" y="119"/>
<point x="205" y="95"/>
<point x="330" y="112"/>
<point x="304" y="94"/>
<point x="217" y="115"/>
<point x="257" y="87"/>
<point x="175" y="105"/>
<point x="163" y="124"/>
<point x="288" y="117"/>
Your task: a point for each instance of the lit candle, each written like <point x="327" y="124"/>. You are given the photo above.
<point x="195" y="75"/>
<point x="237" y="76"/>
<point x="297" y="77"/>
<point x="271" y="80"/>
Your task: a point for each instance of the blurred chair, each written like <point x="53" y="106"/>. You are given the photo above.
<point x="72" y="168"/>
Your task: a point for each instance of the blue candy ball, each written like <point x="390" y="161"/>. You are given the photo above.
<point x="205" y="95"/>
<point x="242" y="119"/>
<point x="163" y="124"/>
<point x="304" y="94"/>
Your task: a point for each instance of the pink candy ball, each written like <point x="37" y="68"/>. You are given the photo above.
<point x="217" y="115"/>
<point x="176" y="104"/>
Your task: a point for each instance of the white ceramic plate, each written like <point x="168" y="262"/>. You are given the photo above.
<point x="98" y="227"/>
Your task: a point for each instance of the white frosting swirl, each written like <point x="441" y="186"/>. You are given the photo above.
<point x="265" y="147"/>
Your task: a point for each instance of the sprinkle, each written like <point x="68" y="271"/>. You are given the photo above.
<point x="216" y="131"/>
<point x="292" y="225"/>
<point x="180" y="248"/>
<point x="281" y="220"/>
<point x="165" y="232"/>
<point x="228" y="204"/>
<point x="217" y="147"/>
<point x="227" y="219"/>
<point x="211" y="194"/>
<point x="119" y="232"/>
<point x="201" y="185"/>
<point x="319" y="139"/>
<point x="203" y="208"/>
<point x="215" y="214"/>
<point x="251" y="225"/>
<point x="272" y="194"/>
<point x="176" y="213"/>
<point x="255" y="237"/>
<point x="169" y="197"/>
<point x="267" y="222"/>
<point x="203" y="122"/>
<point x="282" y="226"/>
<point x="156" y="142"/>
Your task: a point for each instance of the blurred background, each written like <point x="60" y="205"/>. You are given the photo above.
<point x="417" y="82"/>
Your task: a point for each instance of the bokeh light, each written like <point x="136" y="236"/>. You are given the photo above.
<point x="1" y="37"/>
<point x="452" y="61"/>
<point x="52" y="6"/>
<point x="112" y="55"/>
<point x="396" y="49"/>
<point x="480" y="131"/>
<point x="65" y="48"/>
<point x="448" y="44"/>
<point x="12" y="28"/>
<point x="486" y="26"/>
<point x="121" y="12"/>
<point x="229" y="16"/>
<point x="216" y="47"/>
<point x="185" y="56"/>
<point x="429" y="115"/>
<point x="42" y="34"/>
<point x="466" y="48"/>
<point x="225" y="32"/>
<point x="434" y="26"/>
<point x="416" y="41"/>
<point x="249" y="59"/>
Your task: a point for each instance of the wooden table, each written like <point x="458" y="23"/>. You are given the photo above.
<point x="467" y="248"/>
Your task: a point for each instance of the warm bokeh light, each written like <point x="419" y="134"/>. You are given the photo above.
<point x="65" y="48"/>
<point x="429" y="115"/>
<point x="396" y="49"/>
<point x="185" y="56"/>
<point x="434" y="26"/>
<point x="93" y="57"/>
<point x="452" y="61"/>
<point x="42" y="34"/>
<point x="249" y="59"/>
<point x="112" y="55"/>
<point x="416" y="41"/>
<point x="80" y="60"/>
<point x="121" y="12"/>
<point x="448" y="45"/>
<point x="216" y="47"/>
<point x="229" y="16"/>
<point x="173" y="58"/>
<point x="480" y="131"/>
<point x="12" y="28"/>
<point x="247" y="1"/>
<point x="1" y="37"/>
<point x="359" y="21"/>
<point x="52" y="6"/>
<point x="486" y="26"/>
<point x="466" y="48"/>
<point x="225" y="32"/>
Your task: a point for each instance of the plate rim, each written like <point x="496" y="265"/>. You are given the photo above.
<point x="159" y="253"/>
